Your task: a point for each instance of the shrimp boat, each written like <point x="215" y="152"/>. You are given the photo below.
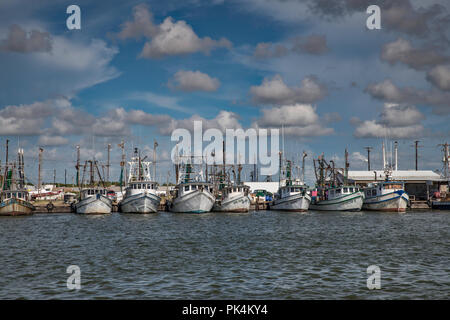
<point x="192" y="194"/>
<point x="333" y="193"/>
<point x="14" y="197"/>
<point x="233" y="197"/>
<point x="140" y="194"/>
<point x="94" y="198"/>
<point x="386" y="196"/>
<point x="292" y="194"/>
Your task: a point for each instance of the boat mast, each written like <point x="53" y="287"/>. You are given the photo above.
<point x="155" y="144"/>
<point x="303" y="166"/>
<point x="5" y="175"/>
<point x="347" y="165"/>
<point x="279" y="169"/>
<point x="78" y="167"/>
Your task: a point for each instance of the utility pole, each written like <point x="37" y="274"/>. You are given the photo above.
<point x="54" y="177"/>
<point x="368" y="157"/>
<point x="40" y="168"/>
<point x="416" y="143"/>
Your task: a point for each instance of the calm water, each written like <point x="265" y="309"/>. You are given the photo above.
<point x="259" y="255"/>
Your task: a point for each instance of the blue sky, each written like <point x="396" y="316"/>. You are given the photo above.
<point x="139" y="69"/>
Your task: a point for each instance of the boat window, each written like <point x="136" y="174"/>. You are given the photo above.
<point x="186" y="188"/>
<point x="368" y="193"/>
<point x="240" y="189"/>
<point x="139" y="186"/>
<point x="351" y="189"/>
<point x="345" y="190"/>
<point x="193" y="187"/>
<point x="338" y="191"/>
<point x="374" y="192"/>
<point x="9" y="195"/>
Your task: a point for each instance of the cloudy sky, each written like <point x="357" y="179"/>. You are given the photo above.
<point x="137" y="70"/>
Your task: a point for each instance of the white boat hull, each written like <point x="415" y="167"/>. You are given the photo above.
<point x="199" y="201"/>
<point x="395" y="201"/>
<point x="140" y="203"/>
<point x="296" y="202"/>
<point x="235" y="204"/>
<point x="350" y="202"/>
<point x="97" y="204"/>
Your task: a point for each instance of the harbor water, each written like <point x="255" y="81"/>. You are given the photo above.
<point x="256" y="255"/>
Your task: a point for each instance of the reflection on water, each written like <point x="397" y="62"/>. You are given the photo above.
<point x="257" y="255"/>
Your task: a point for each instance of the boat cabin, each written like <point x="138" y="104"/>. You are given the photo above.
<point x="14" y="194"/>
<point x="189" y="187"/>
<point x="382" y="188"/>
<point x="232" y="191"/>
<point x="90" y="192"/>
<point x="291" y="190"/>
<point x="137" y="187"/>
<point x="337" y="192"/>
